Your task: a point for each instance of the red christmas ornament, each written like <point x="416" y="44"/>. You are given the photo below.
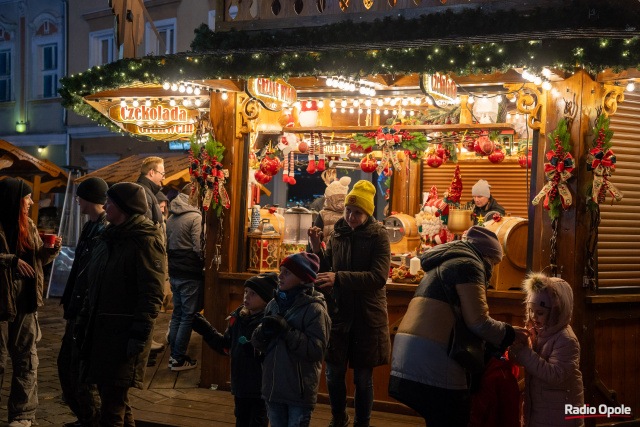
<point x="270" y="166"/>
<point x="303" y="147"/>
<point x="523" y="160"/>
<point x="484" y="146"/>
<point x="497" y="156"/>
<point x="355" y="148"/>
<point x="262" y="178"/>
<point x="368" y="164"/>
<point x="442" y="152"/>
<point x="434" y="161"/>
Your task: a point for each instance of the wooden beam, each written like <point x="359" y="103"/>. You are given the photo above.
<point x="418" y="128"/>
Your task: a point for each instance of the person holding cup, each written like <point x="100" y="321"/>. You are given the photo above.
<point x="22" y="256"/>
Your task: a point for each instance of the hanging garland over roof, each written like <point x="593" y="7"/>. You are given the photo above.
<point x="277" y="57"/>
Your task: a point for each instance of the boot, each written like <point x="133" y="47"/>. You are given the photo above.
<point x="341" y="420"/>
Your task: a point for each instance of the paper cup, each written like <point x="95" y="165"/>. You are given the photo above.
<point x="49" y="240"/>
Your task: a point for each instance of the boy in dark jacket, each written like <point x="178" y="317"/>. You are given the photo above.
<point x="246" y="362"/>
<point x="293" y="337"/>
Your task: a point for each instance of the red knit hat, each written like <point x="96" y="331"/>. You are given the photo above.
<point x="304" y="265"/>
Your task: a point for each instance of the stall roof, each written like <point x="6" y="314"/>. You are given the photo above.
<point x="176" y="166"/>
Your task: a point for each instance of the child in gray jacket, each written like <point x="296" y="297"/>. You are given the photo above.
<point x="293" y="337"/>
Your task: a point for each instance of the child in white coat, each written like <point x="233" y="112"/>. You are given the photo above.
<point x="551" y="358"/>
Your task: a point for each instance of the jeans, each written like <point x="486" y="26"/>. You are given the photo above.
<point x="281" y="415"/>
<point x="250" y="412"/>
<point x="440" y="407"/>
<point x="363" y="397"/>
<point x="18" y="339"/>
<point x="83" y="399"/>
<point x="187" y="301"/>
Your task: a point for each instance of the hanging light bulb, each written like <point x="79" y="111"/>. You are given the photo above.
<point x="368" y="102"/>
<point x="332" y="103"/>
<point x="342" y="110"/>
<point x="359" y="110"/>
<point x="508" y="115"/>
<point x="189" y="89"/>
<point x="320" y="103"/>
<point x="224" y="94"/>
<point x="631" y="86"/>
<point x="377" y="111"/>
<point x="395" y="112"/>
<point x="546" y="72"/>
<point x="172" y="102"/>
<point x="546" y="85"/>
<point x="343" y="103"/>
<point x="352" y="86"/>
<point x="405" y="101"/>
<point x="526" y="74"/>
<point x="333" y="109"/>
<point x="356" y="103"/>
<point x="410" y="113"/>
<point x="297" y="105"/>
<point x="182" y="88"/>
<point x="329" y="81"/>
<point x="470" y="100"/>
<point x="517" y="116"/>
<point x="309" y="104"/>
<point x="185" y="102"/>
<point x="123" y="103"/>
<point x="174" y="87"/>
<point x="135" y="102"/>
<point x="499" y="98"/>
<point x="166" y="85"/>
<point x="537" y="81"/>
<point x="341" y="83"/>
<point x="385" y="112"/>
<point x="147" y="103"/>
<point x="379" y="102"/>
<point x="351" y="110"/>
<point x="197" y="102"/>
<point x="196" y="91"/>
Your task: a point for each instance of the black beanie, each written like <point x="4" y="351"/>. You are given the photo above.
<point x="93" y="190"/>
<point x="161" y="197"/>
<point x="129" y="197"/>
<point x="263" y="284"/>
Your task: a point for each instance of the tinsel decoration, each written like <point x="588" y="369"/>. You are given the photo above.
<point x="602" y="162"/>
<point x="558" y="171"/>
<point x="208" y="175"/>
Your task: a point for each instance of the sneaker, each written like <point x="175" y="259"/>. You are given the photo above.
<point x="184" y="364"/>
<point x="20" y="423"/>
<point x="171" y="362"/>
<point x="340" y="420"/>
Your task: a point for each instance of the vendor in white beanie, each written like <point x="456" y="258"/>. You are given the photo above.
<point x="485" y="204"/>
<point x="333" y="209"/>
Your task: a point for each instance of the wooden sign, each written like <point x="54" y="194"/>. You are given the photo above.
<point x="440" y="86"/>
<point x="160" y="120"/>
<point x="273" y="95"/>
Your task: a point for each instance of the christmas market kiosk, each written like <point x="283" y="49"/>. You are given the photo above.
<point x="423" y="109"/>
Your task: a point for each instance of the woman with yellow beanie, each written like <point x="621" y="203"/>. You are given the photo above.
<point x="354" y="268"/>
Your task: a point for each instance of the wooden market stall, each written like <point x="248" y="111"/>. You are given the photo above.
<point x="41" y="174"/>
<point x="534" y="74"/>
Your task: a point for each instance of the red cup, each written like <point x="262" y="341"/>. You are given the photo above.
<point x="49" y="240"/>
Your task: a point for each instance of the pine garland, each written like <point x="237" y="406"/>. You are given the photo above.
<point x="602" y="162"/>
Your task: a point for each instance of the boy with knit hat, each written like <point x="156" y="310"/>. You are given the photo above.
<point x="483" y="203"/>
<point x="293" y="337"/>
<point x="83" y="399"/>
<point x="246" y="363"/>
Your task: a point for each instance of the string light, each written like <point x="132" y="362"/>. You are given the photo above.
<point x="196" y="91"/>
<point x="172" y="102"/>
<point x="123" y="103"/>
<point x="379" y="102"/>
<point x="147" y="103"/>
<point x="224" y="95"/>
<point x="332" y="104"/>
<point x="135" y="102"/>
<point x="470" y="100"/>
<point x="320" y="104"/>
<point x="356" y="103"/>
<point x="189" y="89"/>
<point x="385" y="112"/>
<point x="343" y="103"/>
<point x="631" y="86"/>
<point x="197" y="102"/>
<point x="166" y="85"/>
<point x="309" y="104"/>
<point x="174" y="87"/>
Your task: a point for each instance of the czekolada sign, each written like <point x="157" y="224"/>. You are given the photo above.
<point x="159" y="120"/>
<point x="273" y="95"/>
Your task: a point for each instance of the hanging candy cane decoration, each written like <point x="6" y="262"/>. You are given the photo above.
<point x="312" y="158"/>
<point x="321" y="155"/>
<point x="292" y="162"/>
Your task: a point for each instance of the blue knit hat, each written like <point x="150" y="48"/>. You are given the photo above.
<point x="304" y="265"/>
<point x="486" y="242"/>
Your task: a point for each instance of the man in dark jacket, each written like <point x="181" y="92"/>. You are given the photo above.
<point x="126" y="272"/>
<point x="484" y="205"/>
<point x="151" y="176"/>
<point x="185" y="274"/>
<point x="83" y="399"/>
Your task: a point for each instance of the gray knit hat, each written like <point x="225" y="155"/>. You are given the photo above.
<point x="93" y="190"/>
<point x="129" y="197"/>
<point x="486" y="242"/>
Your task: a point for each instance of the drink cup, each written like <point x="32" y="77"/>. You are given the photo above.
<point x="49" y="240"/>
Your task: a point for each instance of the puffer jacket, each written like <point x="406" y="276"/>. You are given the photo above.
<point x="491" y="206"/>
<point x="183" y="239"/>
<point x="126" y="276"/>
<point x="454" y="272"/>
<point x="8" y="264"/>
<point x="333" y="210"/>
<point x="246" y="361"/>
<point x="154" y="213"/>
<point x="360" y="325"/>
<point x="552" y="365"/>
<point x="76" y="287"/>
<point x="293" y="359"/>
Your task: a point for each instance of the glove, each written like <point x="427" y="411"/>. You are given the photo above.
<point x="134" y="347"/>
<point x="274" y="325"/>
<point x="201" y="325"/>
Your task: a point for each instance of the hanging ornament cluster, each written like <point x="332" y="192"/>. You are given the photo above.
<point x="602" y="162"/>
<point x="287" y="146"/>
<point x="269" y="166"/>
<point x="390" y="139"/>
<point x="524" y="155"/>
<point x="206" y="172"/>
<point x="558" y="171"/>
<point x="368" y="164"/>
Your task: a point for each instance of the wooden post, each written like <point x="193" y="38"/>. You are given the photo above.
<point x="405" y="188"/>
<point x="36" y="198"/>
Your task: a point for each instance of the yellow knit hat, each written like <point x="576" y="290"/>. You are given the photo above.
<point x="362" y="196"/>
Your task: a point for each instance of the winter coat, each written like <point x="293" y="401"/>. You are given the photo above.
<point x="183" y="239"/>
<point x="360" y="325"/>
<point x="293" y="359"/>
<point x="246" y="361"/>
<point x="126" y="276"/>
<point x="497" y="403"/>
<point x="76" y="288"/>
<point x="552" y="365"/>
<point x="491" y="206"/>
<point x="454" y="272"/>
<point x="154" y="213"/>
<point x="332" y="212"/>
<point x="40" y="255"/>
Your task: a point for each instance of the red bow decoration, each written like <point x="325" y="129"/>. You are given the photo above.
<point x="557" y="171"/>
<point x="602" y="164"/>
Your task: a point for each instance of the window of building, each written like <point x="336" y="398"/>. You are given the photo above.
<point x="167" y="32"/>
<point x="5" y="75"/>
<point x="47" y="62"/>
<point x="49" y="70"/>
<point x="101" y="48"/>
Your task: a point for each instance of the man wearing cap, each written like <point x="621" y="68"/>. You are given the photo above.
<point x="483" y="203"/>
<point x="126" y="272"/>
<point x="83" y="399"/>
<point x="423" y="376"/>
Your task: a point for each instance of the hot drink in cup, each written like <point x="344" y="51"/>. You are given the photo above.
<point x="49" y="240"/>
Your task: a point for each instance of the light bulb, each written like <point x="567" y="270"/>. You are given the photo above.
<point x="196" y="91"/>
<point x="351" y="110"/>
<point x="405" y="101"/>
<point x="379" y="102"/>
<point x="352" y="86"/>
<point x="359" y="110"/>
<point x="174" y="87"/>
<point x="410" y="113"/>
<point x="123" y="103"/>
<point x="499" y="98"/>
<point x="320" y="103"/>
<point x="508" y="115"/>
<point x="172" y="102"/>
<point x="224" y="94"/>
<point x="537" y="81"/>
<point x="631" y="87"/>
<point x="343" y="103"/>
<point x="470" y="100"/>
<point x="356" y="103"/>
<point x="309" y="104"/>
<point x="297" y="104"/>
<point x="368" y="102"/>
<point x="546" y="85"/>
<point x="189" y="89"/>
<point x="182" y="89"/>
<point x="385" y="112"/>
<point x="329" y="81"/>
<point x="197" y="102"/>
<point x="342" y="110"/>
<point x="525" y="74"/>
<point x="395" y="112"/>
<point x="332" y="103"/>
<point x="333" y="109"/>
<point x="166" y="85"/>
<point x="147" y="103"/>
<point x="377" y="111"/>
<point x="185" y="102"/>
<point x="135" y="102"/>
<point x="546" y="72"/>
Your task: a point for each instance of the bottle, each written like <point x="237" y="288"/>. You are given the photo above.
<point x="255" y="218"/>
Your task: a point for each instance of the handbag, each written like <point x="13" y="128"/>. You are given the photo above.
<point x="465" y="347"/>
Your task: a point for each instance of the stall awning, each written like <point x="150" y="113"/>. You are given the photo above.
<point x="176" y="166"/>
<point x="41" y="174"/>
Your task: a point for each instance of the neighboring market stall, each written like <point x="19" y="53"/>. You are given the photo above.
<point x="529" y="112"/>
<point x="41" y="174"/>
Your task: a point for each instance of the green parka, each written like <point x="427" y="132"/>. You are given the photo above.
<point x="126" y="276"/>
<point x="360" y="325"/>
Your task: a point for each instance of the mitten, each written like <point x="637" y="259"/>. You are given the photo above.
<point x="134" y="347"/>
<point x="273" y="325"/>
